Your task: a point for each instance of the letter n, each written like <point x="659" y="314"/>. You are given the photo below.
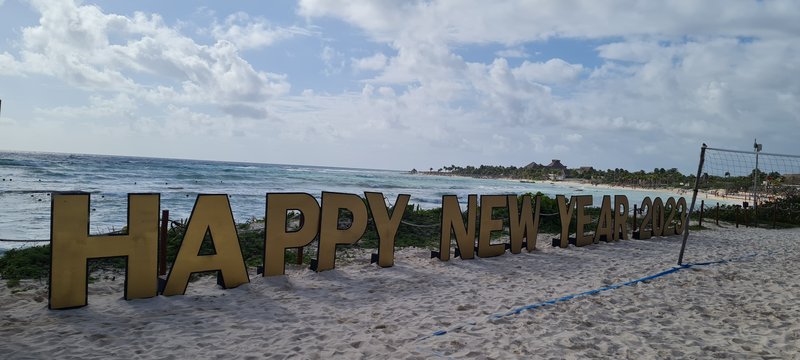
<point x="453" y="224"/>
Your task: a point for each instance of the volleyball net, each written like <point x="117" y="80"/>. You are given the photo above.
<point x="754" y="187"/>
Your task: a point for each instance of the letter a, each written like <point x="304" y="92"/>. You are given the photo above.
<point x="212" y="215"/>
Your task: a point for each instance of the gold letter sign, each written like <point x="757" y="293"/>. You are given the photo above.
<point x="72" y="247"/>
<point x="278" y="237"/>
<point x="386" y="225"/>
<point x="452" y="223"/>
<point x="330" y="234"/>
<point x="211" y="215"/>
<point x="489" y="224"/>
<point x="523" y="224"/>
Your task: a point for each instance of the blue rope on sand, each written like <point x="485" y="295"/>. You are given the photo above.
<point x="675" y="269"/>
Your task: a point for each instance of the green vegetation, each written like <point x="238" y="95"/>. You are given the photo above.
<point x="27" y="263"/>
<point x="659" y="177"/>
<point x="781" y="213"/>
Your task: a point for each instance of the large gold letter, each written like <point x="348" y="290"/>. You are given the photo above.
<point x="488" y="225"/>
<point x="604" y="222"/>
<point x="658" y="217"/>
<point x="644" y="233"/>
<point x="278" y="238"/>
<point x="620" y="230"/>
<point x="72" y="247"/>
<point x="682" y="220"/>
<point x="386" y="225"/>
<point x="453" y="223"/>
<point x="523" y="225"/>
<point x="565" y="214"/>
<point x="211" y="215"/>
<point x="329" y="233"/>
<point x="582" y="219"/>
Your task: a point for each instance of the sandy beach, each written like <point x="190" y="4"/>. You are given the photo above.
<point x="423" y="308"/>
<point x="708" y="196"/>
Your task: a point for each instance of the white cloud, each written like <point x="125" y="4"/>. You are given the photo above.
<point x="371" y="63"/>
<point x="513" y="22"/>
<point x="8" y="65"/>
<point x="633" y="50"/>
<point x="95" y="51"/>
<point x="386" y="91"/>
<point x="333" y="60"/>
<point x="518" y="52"/>
<point x="574" y="138"/>
<point x="552" y="71"/>
<point x="119" y="107"/>
<point x="182" y="121"/>
<point x="249" y="33"/>
<point x="674" y="71"/>
<point x="665" y="76"/>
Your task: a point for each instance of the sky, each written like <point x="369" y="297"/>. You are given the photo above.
<point x="392" y="84"/>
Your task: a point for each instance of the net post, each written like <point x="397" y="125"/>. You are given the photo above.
<point x="691" y="208"/>
<point x="774" y="213"/>
<point x="756" y="149"/>
<point x="746" y="217"/>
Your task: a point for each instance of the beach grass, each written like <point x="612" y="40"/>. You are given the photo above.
<point x="26" y="263"/>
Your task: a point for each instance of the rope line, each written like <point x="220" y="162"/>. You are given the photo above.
<point x="117" y="232"/>
<point x="23" y="241"/>
<point x="517" y="311"/>
<point x="418" y="225"/>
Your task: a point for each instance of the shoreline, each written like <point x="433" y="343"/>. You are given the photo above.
<point x="572" y="182"/>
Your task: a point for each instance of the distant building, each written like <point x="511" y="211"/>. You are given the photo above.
<point x="556" y="164"/>
<point x="555" y="169"/>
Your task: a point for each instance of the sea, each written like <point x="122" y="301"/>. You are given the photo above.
<point x="29" y="179"/>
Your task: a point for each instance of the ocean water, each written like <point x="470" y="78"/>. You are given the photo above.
<point x="29" y="178"/>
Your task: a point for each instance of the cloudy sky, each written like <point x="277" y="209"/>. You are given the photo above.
<point x="400" y="84"/>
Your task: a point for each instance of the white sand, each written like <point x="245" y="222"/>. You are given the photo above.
<point x="742" y="309"/>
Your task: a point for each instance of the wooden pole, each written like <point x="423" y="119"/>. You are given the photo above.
<point x="736" y="215"/>
<point x="774" y="214"/>
<point x="634" y="217"/>
<point x="717" y="214"/>
<point x="702" y="203"/>
<point x="162" y="244"/>
<point x="746" y="219"/>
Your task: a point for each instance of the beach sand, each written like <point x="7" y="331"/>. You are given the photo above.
<point x="746" y="308"/>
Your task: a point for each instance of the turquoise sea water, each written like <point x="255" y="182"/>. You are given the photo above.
<point x="28" y="179"/>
